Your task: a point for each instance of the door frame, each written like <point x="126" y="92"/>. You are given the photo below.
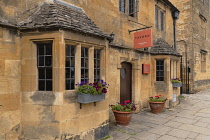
<point x="131" y="82"/>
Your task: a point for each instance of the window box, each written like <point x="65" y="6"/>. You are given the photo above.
<point x="89" y="98"/>
<point x="177" y="84"/>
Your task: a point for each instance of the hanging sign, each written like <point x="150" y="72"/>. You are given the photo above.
<point x="143" y="39"/>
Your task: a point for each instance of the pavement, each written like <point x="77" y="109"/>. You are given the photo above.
<point x="190" y="120"/>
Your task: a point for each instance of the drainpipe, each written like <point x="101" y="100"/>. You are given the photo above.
<point x="175" y="15"/>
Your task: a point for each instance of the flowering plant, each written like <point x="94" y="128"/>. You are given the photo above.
<point x="176" y="80"/>
<point x="92" y="88"/>
<point x="159" y="98"/>
<point x="127" y="106"/>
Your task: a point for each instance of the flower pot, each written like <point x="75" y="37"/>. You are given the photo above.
<point x="156" y="107"/>
<point x="89" y="98"/>
<point x="122" y="118"/>
<point x="177" y="84"/>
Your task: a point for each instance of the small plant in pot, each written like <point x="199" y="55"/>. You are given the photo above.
<point x="176" y="82"/>
<point x="123" y="112"/>
<point x="91" y="92"/>
<point x="157" y="103"/>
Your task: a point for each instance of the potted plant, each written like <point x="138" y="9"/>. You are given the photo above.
<point x="157" y="103"/>
<point x="176" y="82"/>
<point x="123" y="112"/>
<point x="91" y="92"/>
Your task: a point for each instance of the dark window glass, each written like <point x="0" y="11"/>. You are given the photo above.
<point x="159" y="18"/>
<point x="48" y="73"/>
<point x="41" y="74"/>
<point x="156" y="18"/>
<point x="84" y="64"/>
<point x="70" y="67"/>
<point x="162" y="21"/>
<point x="42" y="85"/>
<point x="97" y="60"/>
<point x="122" y="5"/>
<point x="159" y="70"/>
<point x="49" y="85"/>
<point x="44" y="64"/>
<point x="41" y="60"/>
<point x="131" y="7"/>
<point x="48" y="49"/>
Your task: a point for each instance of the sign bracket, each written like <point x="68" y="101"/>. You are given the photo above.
<point x="145" y="27"/>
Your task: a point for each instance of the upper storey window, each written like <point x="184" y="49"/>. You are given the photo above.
<point x="203" y="22"/>
<point x="159" y="19"/>
<point x="129" y="7"/>
<point x="122" y="5"/>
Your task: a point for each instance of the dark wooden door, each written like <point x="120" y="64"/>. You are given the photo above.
<point x="125" y="82"/>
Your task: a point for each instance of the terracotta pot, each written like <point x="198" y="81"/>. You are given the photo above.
<point x="156" y="107"/>
<point x="122" y="118"/>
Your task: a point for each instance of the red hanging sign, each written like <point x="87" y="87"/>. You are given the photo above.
<point x="143" y="39"/>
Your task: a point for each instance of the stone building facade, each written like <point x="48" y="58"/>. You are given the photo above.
<point x="193" y="43"/>
<point x="47" y="46"/>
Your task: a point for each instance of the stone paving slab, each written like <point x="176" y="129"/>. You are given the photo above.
<point x="190" y="120"/>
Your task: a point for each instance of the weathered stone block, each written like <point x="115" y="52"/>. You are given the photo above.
<point x="2" y="136"/>
<point x="70" y="127"/>
<point x="9" y="120"/>
<point x="1" y="32"/>
<point x="70" y="97"/>
<point x="12" y="67"/>
<point x="86" y="122"/>
<point x="43" y="97"/>
<point x="2" y="67"/>
<point x="101" y="131"/>
<point x="14" y="84"/>
<point x="29" y="66"/>
<point x="13" y="134"/>
<point x="37" y="113"/>
<point x="4" y="85"/>
<point x="43" y="130"/>
<point x="8" y="34"/>
<point x="9" y="102"/>
<point x="65" y="112"/>
<point x="86" y="109"/>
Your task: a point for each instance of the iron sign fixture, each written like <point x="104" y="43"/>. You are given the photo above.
<point x="145" y="27"/>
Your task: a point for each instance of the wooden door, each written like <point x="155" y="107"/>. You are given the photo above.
<point x="125" y="82"/>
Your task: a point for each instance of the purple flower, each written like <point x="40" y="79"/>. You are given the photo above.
<point x="104" y="90"/>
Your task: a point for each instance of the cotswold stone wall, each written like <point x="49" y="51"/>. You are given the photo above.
<point x="57" y="115"/>
<point x="189" y="29"/>
<point x="10" y="86"/>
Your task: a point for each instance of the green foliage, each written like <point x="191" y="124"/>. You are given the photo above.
<point x="176" y="81"/>
<point x="127" y="106"/>
<point x="92" y="88"/>
<point x="181" y="97"/>
<point x="124" y="131"/>
<point x="107" y="137"/>
<point x="159" y="98"/>
<point x="88" y="89"/>
<point x="119" y="107"/>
